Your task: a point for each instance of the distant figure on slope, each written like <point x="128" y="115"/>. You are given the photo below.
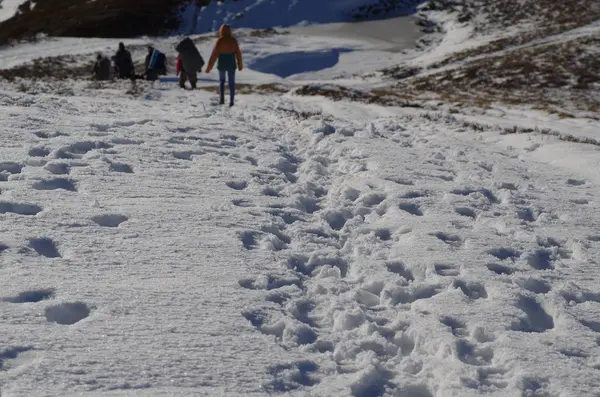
<point x="123" y="63"/>
<point x="183" y="75"/>
<point x="155" y="64"/>
<point x="227" y="51"/>
<point x="102" y="68"/>
<point x="189" y="62"/>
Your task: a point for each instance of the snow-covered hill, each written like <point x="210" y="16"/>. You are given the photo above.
<point x="161" y="245"/>
<point x="331" y="235"/>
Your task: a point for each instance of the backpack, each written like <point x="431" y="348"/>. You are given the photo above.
<point x="190" y="56"/>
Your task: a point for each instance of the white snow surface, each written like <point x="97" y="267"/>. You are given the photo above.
<point x="164" y="246"/>
<point x="8" y="8"/>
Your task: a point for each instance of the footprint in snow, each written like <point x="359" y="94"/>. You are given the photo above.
<point x="507" y="186"/>
<point x="376" y="382"/>
<point x="242" y="203"/>
<point x="31" y="296"/>
<point x="504" y="253"/>
<point x="292" y="376"/>
<point x="488" y="378"/>
<point x="270" y="192"/>
<point x="19" y="208"/>
<point x="67" y="313"/>
<point x="580" y="296"/>
<point x="536" y="319"/>
<point x="248" y="239"/>
<point x="472" y="354"/>
<point x="7" y="356"/>
<point x="446" y="270"/>
<point x="125" y="141"/>
<point x="109" y="220"/>
<point x="413" y="194"/>
<point x="411" y="208"/>
<point x="413" y="293"/>
<point x="593" y="325"/>
<point x="83" y="147"/>
<point x="251" y="160"/>
<point x="458" y="328"/>
<point x="467" y="212"/>
<point x="400" y="269"/>
<point x="237" y="185"/>
<point x="58" y="168"/>
<point x="531" y="386"/>
<point x="576" y="182"/>
<point x="383" y="234"/>
<point x="450" y="239"/>
<point x="336" y="219"/>
<point x="580" y="201"/>
<point x="8" y="168"/>
<point x="120" y="167"/>
<point x="54" y="184"/>
<point x="484" y="192"/>
<point x="44" y="246"/>
<point x="400" y="181"/>
<point x="38" y="152"/>
<point x="534" y="285"/>
<point x="541" y="259"/>
<point x="372" y="199"/>
<point x="473" y="290"/>
<point x="526" y="214"/>
<point x="412" y="391"/>
<point x="500" y="269"/>
<point x="187" y="154"/>
<point x="270" y="282"/>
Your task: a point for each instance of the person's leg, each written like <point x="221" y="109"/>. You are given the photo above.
<point x="193" y="80"/>
<point x="182" y="77"/>
<point x="231" y="78"/>
<point x="222" y="86"/>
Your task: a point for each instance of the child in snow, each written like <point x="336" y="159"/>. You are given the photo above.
<point x="183" y="75"/>
<point x="227" y="51"/>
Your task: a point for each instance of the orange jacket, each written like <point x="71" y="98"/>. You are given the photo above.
<point x="226" y="44"/>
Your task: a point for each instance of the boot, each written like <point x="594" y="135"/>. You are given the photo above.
<point x="222" y="94"/>
<point x="231" y="99"/>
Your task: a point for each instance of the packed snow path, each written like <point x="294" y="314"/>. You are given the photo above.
<point x="164" y="246"/>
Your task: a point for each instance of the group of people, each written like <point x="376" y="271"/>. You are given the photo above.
<point x="122" y="66"/>
<point x="226" y="54"/>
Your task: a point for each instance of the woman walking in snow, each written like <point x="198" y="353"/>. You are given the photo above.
<point x="227" y="51"/>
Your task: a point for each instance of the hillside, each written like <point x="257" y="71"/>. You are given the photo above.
<point x="533" y="52"/>
<point x="129" y="18"/>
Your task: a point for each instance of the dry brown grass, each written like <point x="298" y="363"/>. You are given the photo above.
<point x="493" y="15"/>
<point x="385" y="8"/>
<point x="60" y="68"/>
<point x="553" y="76"/>
<point x="261" y="89"/>
<point x="377" y="96"/>
<point x="533" y="19"/>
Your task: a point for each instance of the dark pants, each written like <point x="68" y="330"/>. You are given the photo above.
<point x="231" y="79"/>
<point x="183" y="76"/>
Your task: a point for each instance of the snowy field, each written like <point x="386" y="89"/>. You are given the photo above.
<point x="165" y="246"/>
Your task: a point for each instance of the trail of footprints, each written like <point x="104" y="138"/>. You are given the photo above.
<point x="59" y="162"/>
<point x="295" y="293"/>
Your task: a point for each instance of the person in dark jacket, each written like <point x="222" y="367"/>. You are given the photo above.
<point x="159" y="68"/>
<point x="228" y="53"/>
<point x="123" y="63"/>
<point x="102" y="68"/>
<point x="183" y="75"/>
